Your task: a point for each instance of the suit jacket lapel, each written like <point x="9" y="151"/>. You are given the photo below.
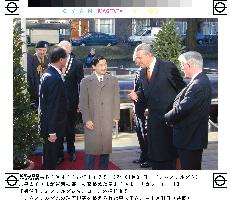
<point x="150" y="84"/>
<point x="145" y="83"/>
<point x="155" y="72"/>
<point x="182" y="93"/>
<point x="180" y="96"/>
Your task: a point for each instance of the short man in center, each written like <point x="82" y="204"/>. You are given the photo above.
<point x="100" y="107"/>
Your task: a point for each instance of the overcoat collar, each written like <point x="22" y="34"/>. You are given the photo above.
<point x="94" y="78"/>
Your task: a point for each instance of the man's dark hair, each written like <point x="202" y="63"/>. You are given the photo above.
<point x="96" y="60"/>
<point x="57" y="53"/>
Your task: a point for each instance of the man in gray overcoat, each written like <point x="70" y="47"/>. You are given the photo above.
<point x="100" y="107"/>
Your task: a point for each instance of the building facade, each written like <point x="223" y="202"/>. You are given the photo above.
<point x="121" y="27"/>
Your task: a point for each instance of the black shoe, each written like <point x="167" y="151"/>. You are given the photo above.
<point x="146" y="164"/>
<point x="60" y="160"/>
<point x="138" y="161"/>
<point x="72" y="157"/>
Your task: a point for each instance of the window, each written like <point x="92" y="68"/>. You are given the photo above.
<point x="210" y="28"/>
<point x="64" y="31"/>
<point x="105" y="26"/>
<point x="181" y="27"/>
<point x="214" y="28"/>
<point x="139" y="24"/>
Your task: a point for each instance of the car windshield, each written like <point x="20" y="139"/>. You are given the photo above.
<point x="86" y="35"/>
<point x="139" y="33"/>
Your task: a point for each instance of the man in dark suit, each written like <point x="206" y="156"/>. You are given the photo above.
<point x="190" y="113"/>
<point x="53" y="107"/>
<point x="36" y="64"/>
<point x="160" y="81"/>
<point x="141" y="122"/>
<point x="73" y="73"/>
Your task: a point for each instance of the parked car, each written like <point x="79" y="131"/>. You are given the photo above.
<point x="96" y="38"/>
<point x="202" y="39"/>
<point x="145" y="35"/>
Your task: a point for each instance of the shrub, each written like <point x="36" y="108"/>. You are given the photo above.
<point x="25" y="119"/>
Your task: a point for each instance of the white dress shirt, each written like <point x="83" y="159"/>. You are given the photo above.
<point x="152" y="65"/>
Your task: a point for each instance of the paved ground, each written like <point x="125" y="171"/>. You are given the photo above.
<point x="126" y="149"/>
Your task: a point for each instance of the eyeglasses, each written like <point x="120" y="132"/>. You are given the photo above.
<point x="182" y="65"/>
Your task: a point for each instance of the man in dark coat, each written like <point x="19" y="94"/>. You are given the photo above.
<point x="141" y="122"/>
<point x="53" y="107"/>
<point x="160" y="81"/>
<point x="73" y="73"/>
<point x="89" y="58"/>
<point x="36" y="64"/>
<point x="190" y="113"/>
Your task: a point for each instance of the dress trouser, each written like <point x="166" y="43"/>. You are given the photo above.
<point x="70" y="135"/>
<point x="164" y="165"/>
<point x="142" y="136"/>
<point x="90" y="162"/>
<point x="50" y="154"/>
<point x="190" y="159"/>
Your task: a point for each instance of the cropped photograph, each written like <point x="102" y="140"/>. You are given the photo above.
<point x="115" y="94"/>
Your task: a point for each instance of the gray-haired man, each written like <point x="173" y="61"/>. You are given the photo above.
<point x="160" y="81"/>
<point x="190" y="113"/>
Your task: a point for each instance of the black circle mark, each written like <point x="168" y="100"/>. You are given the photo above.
<point x="220" y="180"/>
<point x="11" y="180"/>
<point x="220" y="7"/>
<point x="9" y="7"/>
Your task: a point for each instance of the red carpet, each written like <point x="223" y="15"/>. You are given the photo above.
<point x="67" y="165"/>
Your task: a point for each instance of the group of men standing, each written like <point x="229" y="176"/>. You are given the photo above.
<point x="176" y="113"/>
<point x="177" y="119"/>
<point x="57" y="99"/>
<point x="58" y="102"/>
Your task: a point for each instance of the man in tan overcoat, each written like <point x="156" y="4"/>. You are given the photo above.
<point x="100" y="107"/>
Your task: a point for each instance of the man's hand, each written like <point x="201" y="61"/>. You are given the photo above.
<point x="52" y="138"/>
<point x="78" y="110"/>
<point x="89" y="125"/>
<point x="133" y="96"/>
<point x="116" y="121"/>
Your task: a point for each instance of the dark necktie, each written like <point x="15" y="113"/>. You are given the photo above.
<point x="101" y="80"/>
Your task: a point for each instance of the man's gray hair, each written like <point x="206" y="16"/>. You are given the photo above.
<point x="193" y="58"/>
<point x="144" y="47"/>
<point x="64" y="43"/>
